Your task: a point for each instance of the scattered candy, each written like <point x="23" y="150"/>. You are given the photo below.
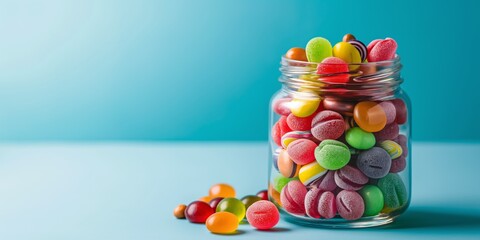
<point x="179" y="211"/>
<point x="249" y="200"/>
<point x="263" y="215"/>
<point x="232" y="205"/>
<point x="214" y="202"/>
<point x="198" y="212"/>
<point x="263" y="194"/>
<point x="222" y="190"/>
<point x="222" y="223"/>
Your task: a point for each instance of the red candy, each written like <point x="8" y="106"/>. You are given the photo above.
<point x="214" y="202"/>
<point x="336" y="66"/>
<point x="302" y="151"/>
<point x="389" y="132"/>
<point x="327" y="125"/>
<point x="280" y="106"/>
<point x="263" y="194"/>
<point x="198" y="212"/>
<point x="281" y="127"/>
<point x="381" y="50"/>
<point x="398" y="164"/>
<point x="263" y="215"/>
<point x="293" y="197"/>
<point x="401" y="111"/>
<point x="299" y="123"/>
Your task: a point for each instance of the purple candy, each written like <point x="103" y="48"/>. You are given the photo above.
<point x="389" y="132"/>
<point x="389" y="110"/>
<point x="398" y="165"/>
<point x="350" y="178"/>
<point x="360" y="47"/>
<point x="325" y="182"/>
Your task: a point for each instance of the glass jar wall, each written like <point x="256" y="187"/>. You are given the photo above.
<point x="339" y="145"/>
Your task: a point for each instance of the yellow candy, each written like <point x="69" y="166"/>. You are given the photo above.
<point x="305" y="103"/>
<point x="308" y="173"/>
<point x="348" y="53"/>
<point x="393" y="149"/>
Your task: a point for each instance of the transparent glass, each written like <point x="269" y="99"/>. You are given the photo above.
<point x="340" y="144"/>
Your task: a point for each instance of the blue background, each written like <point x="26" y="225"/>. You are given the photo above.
<point x="205" y="70"/>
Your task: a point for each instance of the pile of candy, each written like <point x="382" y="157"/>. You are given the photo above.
<point x="339" y="159"/>
<point x="222" y="212"/>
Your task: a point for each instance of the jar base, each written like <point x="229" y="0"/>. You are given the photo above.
<point x="364" y="222"/>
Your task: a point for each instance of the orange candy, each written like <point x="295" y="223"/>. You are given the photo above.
<point x="222" y="223"/>
<point x="179" y="211"/>
<point x="205" y="199"/>
<point x="273" y="194"/>
<point x="297" y="53"/>
<point x="221" y="190"/>
<point x="369" y="116"/>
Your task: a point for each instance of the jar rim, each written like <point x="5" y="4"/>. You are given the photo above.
<point x="294" y="62"/>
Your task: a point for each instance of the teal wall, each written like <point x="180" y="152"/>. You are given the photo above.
<point x="205" y="70"/>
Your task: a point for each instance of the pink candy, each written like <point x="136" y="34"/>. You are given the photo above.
<point x="327" y="125"/>
<point x="263" y="215"/>
<point x="350" y="205"/>
<point x="336" y="66"/>
<point x="381" y="50"/>
<point x="299" y="123"/>
<point x="293" y="197"/>
<point x="319" y="203"/>
<point x="302" y="151"/>
<point x="280" y="106"/>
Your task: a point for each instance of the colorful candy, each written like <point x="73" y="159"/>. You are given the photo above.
<point x="263" y="215"/>
<point x="326" y="182"/>
<point x="222" y="190"/>
<point x="390" y="111"/>
<point x="318" y="49"/>
<point x="310" y="172"/>
<point x="350" y="205"/>
<point x="280" y="181"/>
<point x="332" y="154"/>
<point x="382" y="50"/>
<point x="299" y="123"/>
<point x="232" y="205"/>
<point x="289" y="137"/>
<point x="348" y="37"/>
<point x="179" y="211"/>
<point x="293" y="197"/>
<point x="350" y="178"/>
<point x="263" y="194"/>
<point x="347" y="52"/>
<point x="359" y="139"/>
<point x="296" y="53"/>
<point x="362" y="49"/>
<point x="394" y="192"/>
<point x="281" y="106"/>
<point x="286" y="166"/>
<point x="279" y="129"/>
<point x="336" y="68"/>
<point x="222" y="223"/>
<point x="393" y="149"/>
<point x="327" y="125"/>
<point x="319" y="203"/>
<point x="304" y="106"/>
<point x="214" y="202"/>
<point x="301" y="151"/>
<point x="198" y="212"/>
<point x="249" y="200"/>
<point x="372" y="198"/>
<point x="398" y="164"/>
<point x="374" y="163"/>
<point x="401" y="111"/>
<point x="389" y="132"/>
<point x="369" y="116"/>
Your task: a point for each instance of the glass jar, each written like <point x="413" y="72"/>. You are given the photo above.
<point x="339" y="145"/>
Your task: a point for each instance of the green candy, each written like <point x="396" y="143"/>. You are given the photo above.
<point x="232" y="205"/>
<point x="318" y="49"/>
<point x="394" y="191"/>
<point x="332" y="154"/>
<point x="249" y="200"/>
<point x="360" y="139"/>
<point x="373" y="199"/>
<point x="280" y="181"/>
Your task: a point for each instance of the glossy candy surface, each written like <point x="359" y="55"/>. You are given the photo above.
<point x="179" y="211"/>
<point x="222" y="223"/>
<point x="263" y="194"/>
<point x="249" y="200"/>
<point x="360" y="139"/>
<point x="232" y="205"/>
<point x="198" y="212"/>
<point x="369" y="116"/>
<point x="296" y="53"/>
<point x="373" y="199"/>
<point x="311" y="172"/>
<point x="286" y="166"/>
<point x="221" y="190"/>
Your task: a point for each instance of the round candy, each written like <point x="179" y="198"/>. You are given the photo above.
<point x="222" y="223"/>
<point x="336" y="67"/>
<point x="332" y="154"/>
<point x="345" y="108"/>
<point x="179" y="211"/>
<point x="398" y="164"/>
<point x="318" y="49"/>
<point x="289" y="137"/>
<point x="389" y="132"/>
<point x="293" y="197"/>
<point x="299" y="123"/>
<point x="296" y="53"/>
<point x="263" y="215"/>
<point x="325" y="182"/>
<point x="249" y="200"/>
<point x="310" y="172"/>
<point x="280" y="181"/>
<point x="274" y="195"/>
<point x="327" y="125"/>
<point x="198" y="212"/>
<point x="263" y="194"/>
<point x="372" y="199"/>
<point x="372" y="44"/>
<point x="347" y="52"/>
<point x="348" y="37"/>
<point x="394" y="192"/>
<point x="281" y="106"/>
<point x="401" y="111"/>
<point x="301" y="151"/>
<point x="362" y="49"/>
<point x="205" y="199"/>
<point x="402" y="140"/>
<point x="286" y="166"/>
<point x="279" y="129"/>
<point x="214" y="202"/>
<point x="350" y="178"/>
<point x="221" y="190"/>
<point x="350" y="205"/>
<point x="232" y="205"/>
<point x="389" y="110"/>
<point x="374" y="163"/>
<point x="393" y="149"/>
<point x="360" y="139"/>
<point x="304" y="107"/>
<point x="319" y="203"/>
<point x="369" y="116"/>
<point x="382" y="50"/>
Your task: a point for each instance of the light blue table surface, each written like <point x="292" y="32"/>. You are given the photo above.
<point x="128" y="191"/>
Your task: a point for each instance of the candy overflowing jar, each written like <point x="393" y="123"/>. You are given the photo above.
<point x="339" y="143"/>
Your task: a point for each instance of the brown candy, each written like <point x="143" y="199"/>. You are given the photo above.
<point x="348" y="37"/>
<point x="179" y="211"/>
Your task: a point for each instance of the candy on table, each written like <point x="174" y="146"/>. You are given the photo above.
<point x="343" y="107"/>
<point x="232" y="205"/>
<point x="374" y="163"/>
<point x="327" y="125"/>
<point x="299" y="123"/>
<point x="350" y="205"/>
<point x="336" y="69"/>
<point x="281" y="106"/>
<point x="214" y="202"/>
<point x="393" y="149"/>
<point x="372" y="198"/>
<point x="401" y="111"/>
<point x="317" y="49"/>
<point x="360" y="139"/>
<point x="296" y="53"/>
<point x="348" y="53"/>
<point x="222" y="223"/>
<point x="301" y="151"/>
<point x="279" y="129"/>
<point x="389" y="132"/>
<point x="332" y="154"/>
<point x="390" y="111"/>
<point x="350" y="178"/>
<point x="398" y="164"/>
<point x="289" y="137"/>
<point x="263" y="194"/>
<point x="369" y="116"/>
<point x="326" y="182"/>
<point x="293" y="197"/>
<point x="221" y="190"/>
<point x="249" y="200"/>
<point x="394" y="192"/>
<point x="179" y="211"/>
<point x="310" y="172"/>
<point x="205" y="199"/>
<point x="263" y="215"/>
<point x="381" y="50"/>
<point x="319" y="203"/>
<point x="286" y="166"/>
<point x="198" y="212"/>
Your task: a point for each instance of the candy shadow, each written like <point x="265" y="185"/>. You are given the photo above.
<point x="275" y="230"/>
<point x="238" y="232"/>
<point x="443" y="219"/>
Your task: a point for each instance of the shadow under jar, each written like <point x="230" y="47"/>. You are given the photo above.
<point x="339" y="145"/>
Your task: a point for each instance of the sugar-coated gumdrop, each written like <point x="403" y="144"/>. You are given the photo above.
<point x="318" y="49"/>
<point x="263" y="215"/>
